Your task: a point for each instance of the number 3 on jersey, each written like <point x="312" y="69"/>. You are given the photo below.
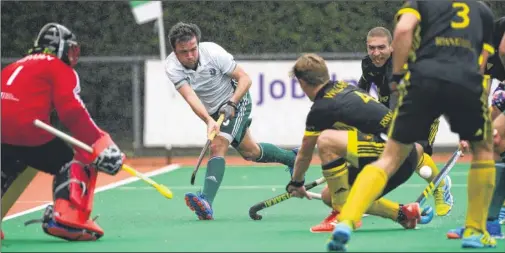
<point x="14" y="74"/>
<point x="462" y="13"/>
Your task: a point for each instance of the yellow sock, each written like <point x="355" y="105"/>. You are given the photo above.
<point x="368" y="186"/>
<point x="337" y="178"/>
<point x="384" y="208"/>
<point x="481" y="182"/>
<point x="426" y="160"/>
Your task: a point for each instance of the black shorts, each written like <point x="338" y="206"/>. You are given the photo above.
<point x="428" y="144"/>
<point x="423" y="100"/>
<point x="368" y="149"/>
<point x="49" y="158"/>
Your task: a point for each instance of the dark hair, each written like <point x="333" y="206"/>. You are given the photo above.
<point x="183" y="32"/>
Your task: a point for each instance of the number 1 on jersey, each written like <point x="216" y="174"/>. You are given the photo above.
<point x="14" y="74"/>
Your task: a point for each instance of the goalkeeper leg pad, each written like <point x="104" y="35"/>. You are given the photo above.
<point x="73" y="191"/>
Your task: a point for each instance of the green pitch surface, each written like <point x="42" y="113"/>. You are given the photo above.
<point x="136" y="218"/>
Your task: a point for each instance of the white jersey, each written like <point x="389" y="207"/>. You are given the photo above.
<point x="211" y="81"/>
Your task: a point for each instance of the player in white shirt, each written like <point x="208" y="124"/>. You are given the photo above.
<point x="212" y="83"/>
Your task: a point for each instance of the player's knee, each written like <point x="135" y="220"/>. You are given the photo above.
<point x="219" y="146"/>
<point x="331" y="143"/>
<point x="250" y="153"/>
<point x="324" y="141"/>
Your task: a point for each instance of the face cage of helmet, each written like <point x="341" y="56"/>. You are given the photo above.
<point x="73" y="54"/>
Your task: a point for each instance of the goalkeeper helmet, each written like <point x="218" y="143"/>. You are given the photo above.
<point x="58" y="40"/>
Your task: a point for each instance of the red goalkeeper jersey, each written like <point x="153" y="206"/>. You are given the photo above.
<point x="31" y="88"/>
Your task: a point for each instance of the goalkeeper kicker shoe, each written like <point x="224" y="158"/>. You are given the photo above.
<point x="198" y="204"/>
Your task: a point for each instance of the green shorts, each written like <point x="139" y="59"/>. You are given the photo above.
<point x="234" y="129"/>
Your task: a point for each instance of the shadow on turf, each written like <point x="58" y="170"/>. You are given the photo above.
<point x="371" y="230"/>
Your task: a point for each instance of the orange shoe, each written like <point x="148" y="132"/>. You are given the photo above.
<point x="328" y="224"/>
<point x="409" y="215"/>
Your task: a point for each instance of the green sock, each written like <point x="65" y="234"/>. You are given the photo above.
<point x="499" y="193"/>
<point x="213" y="177"/>
<point x="273" y="154"/>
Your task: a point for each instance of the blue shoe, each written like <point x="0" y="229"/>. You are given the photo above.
<point x="493" y="227"/>
<point x="426" y="215"/>
<point x="339" y="238"/>
<point x="295" y="150"/>
<point x="476" y="239"/>
<point x="501" y="216"/>
<point x="198" y="204"/>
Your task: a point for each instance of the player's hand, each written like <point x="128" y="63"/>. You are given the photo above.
<point x="464" y="146"/>
<point x="297" y="189"/>
<point x="212" y="126"/>
<point x="394" y="80"/>
<point x="228" y="109"/>
<point x="109" y="158"/>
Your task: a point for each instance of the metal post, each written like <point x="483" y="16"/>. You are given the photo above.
<point x="161" y="35"/>
<point x="137" y="131"/>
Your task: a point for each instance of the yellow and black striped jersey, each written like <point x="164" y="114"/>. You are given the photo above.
<point x="341" y="106"/>
<point x="449" y="39"/>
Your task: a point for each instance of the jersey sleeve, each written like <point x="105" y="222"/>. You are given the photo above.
<point x="223" y="60"/>
<point x="410" y="6"/>
<point x="69" y="105"/>
<point x="487" y="30"/>
<point x="177" y="77"/>
<point x="319" y="118"/>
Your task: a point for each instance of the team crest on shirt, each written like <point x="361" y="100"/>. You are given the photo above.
<point x="212" y="72"/>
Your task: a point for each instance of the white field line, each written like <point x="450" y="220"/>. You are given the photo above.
<point x="166" y="169"/>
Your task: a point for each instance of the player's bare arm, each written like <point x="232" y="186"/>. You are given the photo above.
<point x="302" y="162"/>
<point x="402" y="41"/>
<point x="198" y="108"/>
<point x="243" y="83"/>
<point x="194" y="102"/>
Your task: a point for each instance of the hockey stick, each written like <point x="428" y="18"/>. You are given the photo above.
<point x="160" y="188"/>
<point x="204" y="150"/>
<point x="253" y="211"/>
<point x="436" y="182"/>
